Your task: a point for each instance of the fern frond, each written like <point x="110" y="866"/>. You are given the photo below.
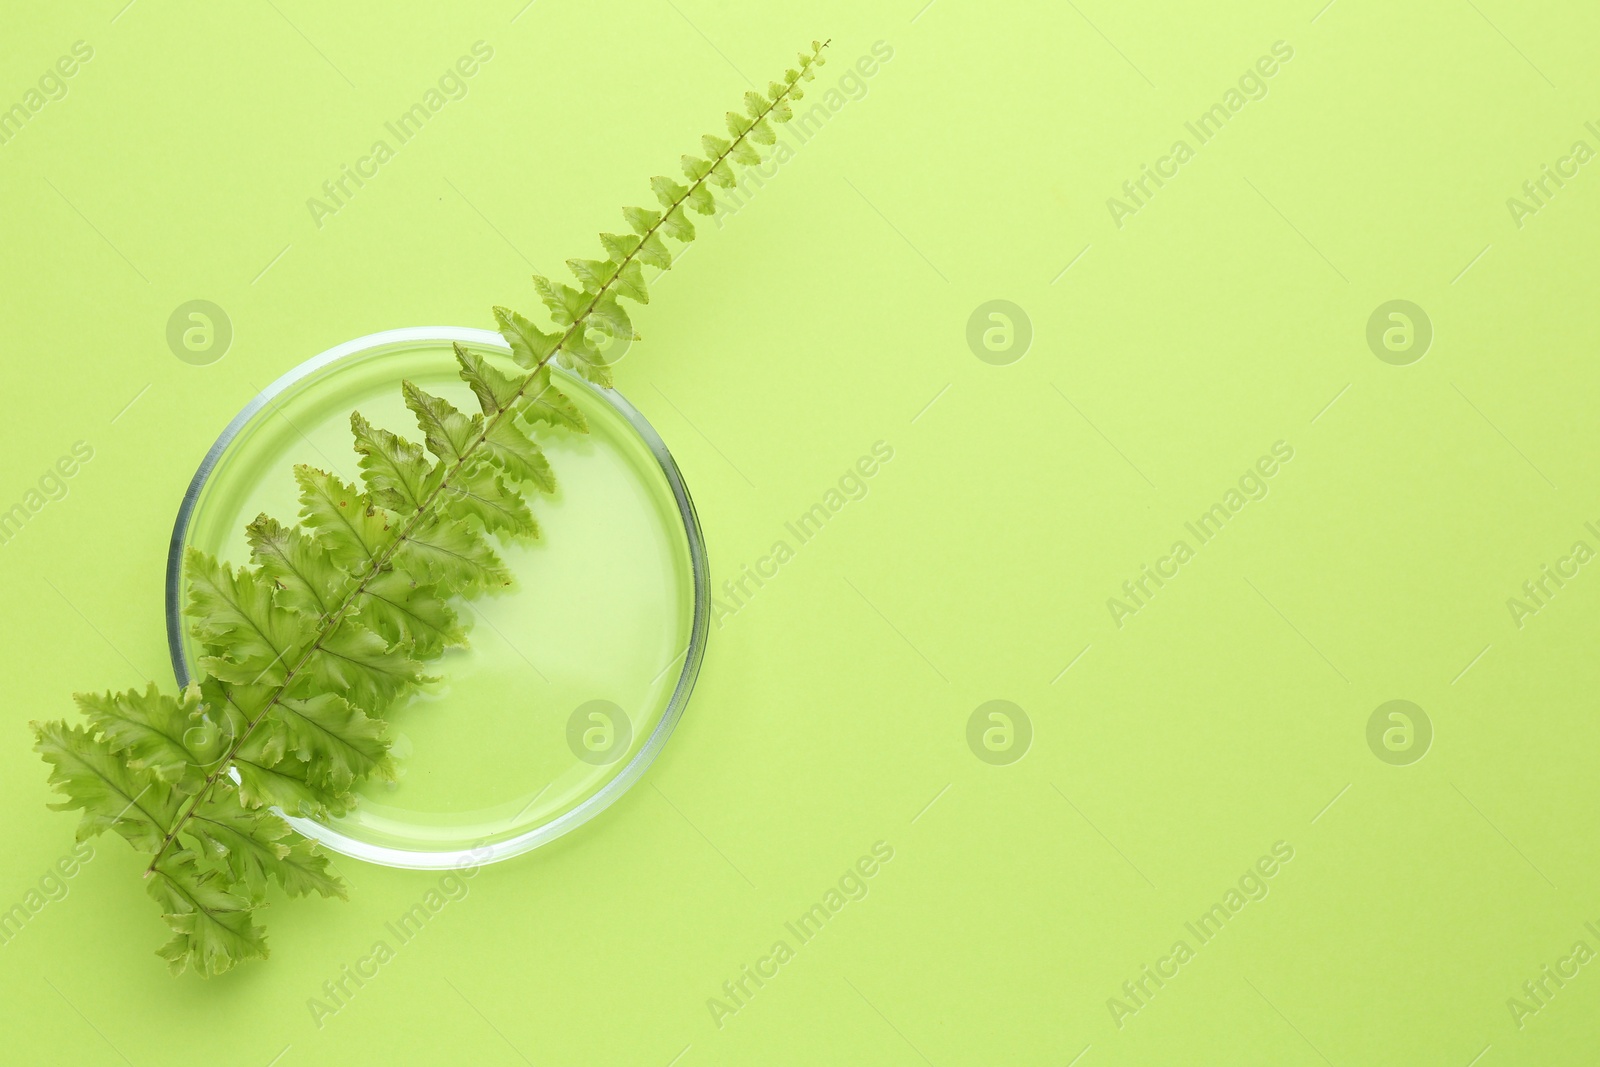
<point x="306" y="648"/>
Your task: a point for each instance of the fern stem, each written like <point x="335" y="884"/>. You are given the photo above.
<point x="423" y="511"/>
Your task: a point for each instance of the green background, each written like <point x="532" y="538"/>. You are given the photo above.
<point x="1230" y="713"/>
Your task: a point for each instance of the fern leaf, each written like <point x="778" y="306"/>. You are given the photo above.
<point x="111" y="794"/>
<point x="224" y="707"/>
<point x="265" y="741"/>
<point x="396" y="471"/>
<point x="701" y="200"/>
<point x="514" y="452"/>
<point x="745" y="154"/>
<point x="248" y="843"/>
<point x="337" y="742"/>
<point x="670" y="192"/>
<point x="479" y="492"/>
<point x="266" y="781"/>
<point x="694" y="168"/>
<point x="449" y="434"/>
<point x="347" y="523"/>
<point x="619" y="247"/>
<point x="579" y="355"/>
<point x="357" y="664"/>
<point x="677" y="226"/>
<point x="305" y="870"/>
<point x="549" y="405"/>
<point x="648" y="249"/>
<point x="653" y="251"/>
<point x="722" y="175"/>
<point x="780" y="109"/>
<point x="405" y="613"/>
<point x="307" y="579"/>
<point x="593" y="273"/>
<point x="530" y="346"/>
<point x="236" y="620"/>
<point x="610" y="316"/>
<point x="495" y="391"/>
<point x="447" y="553"/>
<point x="629" y="282"/>
<point x="149" y="730"/>
<point x="566" y="304"/>
<point x="257" y="845"/>
<point x="641" y="221"/>
<point x="214" y="927"/>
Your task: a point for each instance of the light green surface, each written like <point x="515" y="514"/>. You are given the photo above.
<point x="1230" y="713"/>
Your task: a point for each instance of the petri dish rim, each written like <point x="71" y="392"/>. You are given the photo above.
<point x="630" y="773"/>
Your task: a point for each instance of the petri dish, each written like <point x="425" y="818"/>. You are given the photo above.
<point x="573" y="679"/>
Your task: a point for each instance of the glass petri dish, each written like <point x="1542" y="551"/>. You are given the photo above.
<point x="573" y="679"/>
